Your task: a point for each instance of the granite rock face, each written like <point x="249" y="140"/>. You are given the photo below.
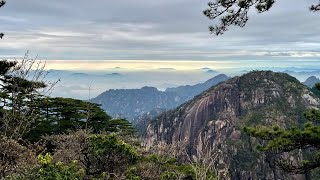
<point x="214" y="121"/>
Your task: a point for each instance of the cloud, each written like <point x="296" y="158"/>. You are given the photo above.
<point x="144" y="29"/>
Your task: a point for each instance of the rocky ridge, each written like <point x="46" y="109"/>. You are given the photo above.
<point x="136" y="103"/>
<point x="213" y="121"/>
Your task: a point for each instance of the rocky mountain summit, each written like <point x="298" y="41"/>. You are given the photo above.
<point x="311" y="81"/>
<point x="214" y="120"/>
<point x="135" y="103"/>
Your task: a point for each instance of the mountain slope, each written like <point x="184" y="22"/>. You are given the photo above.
<point x="311" y="81"/>
<point x="191" y="91"/>
<point x="214" y="121"/>
<point x="135" y="103"/>
<point x="130" y="103"/>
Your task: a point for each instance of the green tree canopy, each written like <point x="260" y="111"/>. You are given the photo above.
<point x="25" y="112"/>
<point x="316" y="89"/>
<point x="17" y="94"/>
<point x="2" y="3"/>
<point x="110" y="154"/>
<point x="62" y="114"/>
<point x="303" y="142"/>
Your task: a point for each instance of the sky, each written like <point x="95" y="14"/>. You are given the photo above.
<point x="166" y="43"/>
<point x="154" y="30"/>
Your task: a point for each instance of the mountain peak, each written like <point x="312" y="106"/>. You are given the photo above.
<point x="133" y="103"/>
<point x="149" y="88"/>
<point x="215" y="79"/>
<point x="213" y="120"/>
<point x="311" y="81"/>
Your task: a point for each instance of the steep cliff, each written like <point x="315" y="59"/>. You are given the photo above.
<point x="213" y="121"/>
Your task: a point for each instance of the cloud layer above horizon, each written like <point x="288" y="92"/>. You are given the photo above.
<point x="154" y="30"/>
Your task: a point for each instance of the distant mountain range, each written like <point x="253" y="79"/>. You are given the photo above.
<point x="133" y="103"/>
<point x="193" y="90"/>
<point x="303" y="74"/>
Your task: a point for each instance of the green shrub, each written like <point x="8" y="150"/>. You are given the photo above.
<point x="47" y="170"/>
<point x="168" y="175"/>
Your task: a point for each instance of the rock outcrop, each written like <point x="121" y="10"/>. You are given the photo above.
<point x="213" y="121"/>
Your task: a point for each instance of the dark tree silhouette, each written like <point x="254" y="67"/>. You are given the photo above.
<point x="235" y="12"/>
<point x="2" y="3"/>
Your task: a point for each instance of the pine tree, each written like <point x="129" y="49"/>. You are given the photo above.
<point x="60" y="115"/>
<point x="235" y="12"/>
<point x="16" y="96"/>
<point x="303" y="142"/>
<point x="2" y="3"/>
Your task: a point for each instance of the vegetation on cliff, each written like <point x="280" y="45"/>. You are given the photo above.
<point x="304" y="140"/>
<point x="214" y="121"/>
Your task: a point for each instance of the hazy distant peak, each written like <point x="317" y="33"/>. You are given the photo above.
<point x="311" y="81"/>
<point x="166" y="69"/>
<point x="205" y="68"/>
<point x="149" y="88"/>
<point x="311" y="78"/>
<point x="131" y="103"/>
<point x="114" y="74"/>
<point x="80" y="74"/>
<point x="208" y="70"/>
<point x="219" y="77"/>
<point x="211" y="71"/>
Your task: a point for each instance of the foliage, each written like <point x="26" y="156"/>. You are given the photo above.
<point x="316" y="89"/>
<point x="235" y="12"/>
<point x="283" y="141"/>
<point x="14" y="157"/>
<point x="84" y="141"/>
<point x="108" y="155"/>
<point x="26" y="114"/>
<point x="98" y="154"/>
<point x="111" y="153"/>
<point x="47" y="170"/>
<point x="2" y="3"/>
<point x="17" y="94"/>
<point x="121" y="126"/>
<point x="60" y="115"/>
<point x="155" y="166"/>
<point x="168" y="159"/>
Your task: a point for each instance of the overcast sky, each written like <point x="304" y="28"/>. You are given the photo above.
<point x="154" y="30"/>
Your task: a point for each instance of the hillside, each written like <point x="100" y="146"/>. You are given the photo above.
<point x="213" y="121"/>
<point x="191" y="91"/>
<point x="134" y="103"/>
<point x="311" y="81"/>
